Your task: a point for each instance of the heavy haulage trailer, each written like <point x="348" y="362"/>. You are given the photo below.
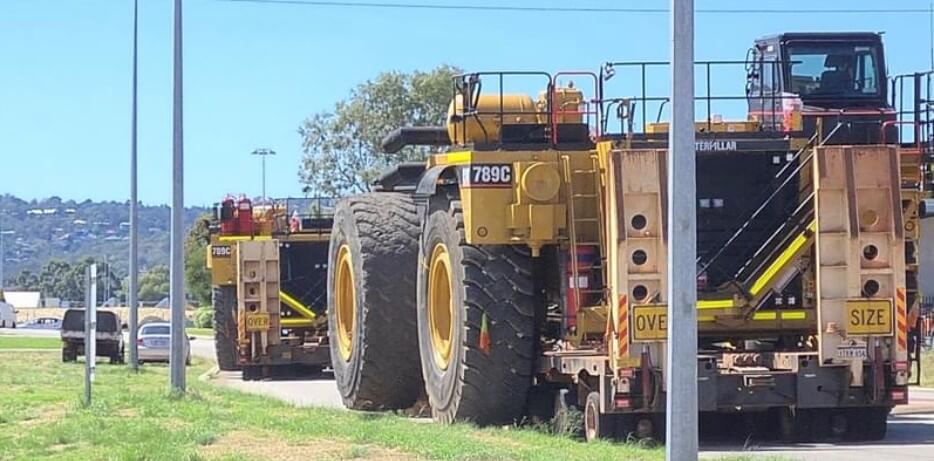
<point x="521" y="271"/>
<point x="268" y="265"/>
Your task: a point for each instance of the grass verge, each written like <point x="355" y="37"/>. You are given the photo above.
<point x="927" y="369"/>
<point x="135" y="417"/>
<point x="200" y="332"/>
<point x="26" y="342"/>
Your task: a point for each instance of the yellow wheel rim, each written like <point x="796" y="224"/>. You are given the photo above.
<point x="345" y="302"/>
<point x="440" y="306"/>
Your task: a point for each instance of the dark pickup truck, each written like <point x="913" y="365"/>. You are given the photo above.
<point x="109" y="336"/>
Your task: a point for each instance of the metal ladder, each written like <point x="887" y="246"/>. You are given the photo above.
<point x="577" y="222"/>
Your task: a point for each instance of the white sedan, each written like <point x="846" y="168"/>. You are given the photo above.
<point x="154" y="340"/>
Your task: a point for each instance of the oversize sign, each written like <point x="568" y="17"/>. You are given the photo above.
<point x="649" y="323"/>
<point x="869" y="317"/>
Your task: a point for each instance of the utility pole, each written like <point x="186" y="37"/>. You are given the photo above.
<point x="177" y="264"/>
<point x="134" y="211"/>
<point x="1" y="251"/>
<point x="263" y="153"/>
<point x="90" y="330"/>
<point x="682" y="268"/>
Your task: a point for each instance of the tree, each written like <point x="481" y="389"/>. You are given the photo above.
<point x="154" y="284"/>
<point x="342" y="148"/>
<point x="197" y="277"/>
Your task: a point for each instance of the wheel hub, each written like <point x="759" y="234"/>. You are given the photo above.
<point x="440" y="306"/>
<point x="345" y="302"/>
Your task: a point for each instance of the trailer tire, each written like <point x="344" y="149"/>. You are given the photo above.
<point x="224" y="300"/>
<point x="596" y="425"/>
<point x="872" y="423"/>
<point x="476" y="323"/>
<point x="372" y="263"/>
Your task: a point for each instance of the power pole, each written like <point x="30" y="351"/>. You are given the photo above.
<point x="1" y="251"/>
<point x="682" y="268"/>
<point x="134" y="211"/>
<point x="90" y="330"/>
<point x="177" y="264"/>
<point x="263" y="153"/>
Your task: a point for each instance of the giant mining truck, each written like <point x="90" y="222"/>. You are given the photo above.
<point x="521" y="270"/>
<point x="268" y="264"/>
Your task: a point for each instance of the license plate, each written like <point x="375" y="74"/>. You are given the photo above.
<point x="851" y="352"/>
<point x="158" y="343"/>
<point x="869" y="317"/>
<point x="649" y="323"/>
<point x="257" y="322"/>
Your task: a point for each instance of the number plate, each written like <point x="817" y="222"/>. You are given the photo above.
<point x="852" y="352"/>
<point x="257" y="322"/>
<point x="869" y="317"/>
<point x="487" y="176"/>
<point x="220" y="251"/>
<point x="649" y="323"/>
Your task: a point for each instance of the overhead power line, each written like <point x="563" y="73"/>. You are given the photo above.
<point x="560" y="9"/>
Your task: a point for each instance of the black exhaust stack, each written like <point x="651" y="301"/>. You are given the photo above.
<point x="415" y="136"/>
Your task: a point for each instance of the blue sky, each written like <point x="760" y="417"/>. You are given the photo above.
<point x="255" y="71"/>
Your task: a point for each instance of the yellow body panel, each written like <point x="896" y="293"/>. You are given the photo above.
<point x="530" y="207"/>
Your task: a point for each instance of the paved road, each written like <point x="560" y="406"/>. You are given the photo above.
<point x="319" y="391"/>
<point x="910" y="437"/>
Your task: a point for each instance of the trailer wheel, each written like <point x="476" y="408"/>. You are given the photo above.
<point x="224" y="299"/>
<point x="596" y="425"/>
<point x="568" y="419"/>
<point x="476" y="323"/>
<point x="372" y="262"/>
<point x="872" y="423"/>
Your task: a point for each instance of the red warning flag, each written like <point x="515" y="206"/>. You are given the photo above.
<point x="484" y="336"/>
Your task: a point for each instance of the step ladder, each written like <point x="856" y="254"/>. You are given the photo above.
<point x="586" y="229"/>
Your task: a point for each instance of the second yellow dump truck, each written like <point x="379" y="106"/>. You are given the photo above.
<point x="268" y="265"/>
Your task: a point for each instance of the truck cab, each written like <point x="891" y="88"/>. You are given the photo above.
<point x="836" y="78"/>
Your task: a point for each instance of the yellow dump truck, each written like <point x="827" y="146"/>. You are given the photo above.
<point x="521" y="270"/>
<point x="268" y="265"/>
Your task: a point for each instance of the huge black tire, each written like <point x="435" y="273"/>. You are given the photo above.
<point x="478" y="366"/>
<point x="372" y="263"/>
<point x="224" y="299"/>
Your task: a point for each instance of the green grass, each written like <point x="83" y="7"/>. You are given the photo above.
<point x="200" y="332"/>
<point x="927" y="369"/>
<point x="26" y="342"/>
<point x="134" y="417"/>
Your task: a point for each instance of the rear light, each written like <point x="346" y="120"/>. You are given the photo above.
<point x="899" y="396"/>
<point x="139" y="341"/>
<point x="622" y="401"/>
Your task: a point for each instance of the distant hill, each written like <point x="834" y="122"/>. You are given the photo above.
<point x="37" y="231"/>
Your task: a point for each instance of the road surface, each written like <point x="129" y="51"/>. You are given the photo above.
<point x="320" y="391"/>
<point x="910" y="436"/>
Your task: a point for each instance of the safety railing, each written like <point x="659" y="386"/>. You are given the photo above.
<point x="764" y="102"/>
<point x="543" y="120"/>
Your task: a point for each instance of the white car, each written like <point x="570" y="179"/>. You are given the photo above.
<point x="154" y="340"/>
<point x="7" y="315"/>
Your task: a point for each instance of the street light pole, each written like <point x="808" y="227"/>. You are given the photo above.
<point x="263" y="153"/>
<point x="177" y="263"/>
<point x="681" y="367"/>
<point x="134" y="212"/>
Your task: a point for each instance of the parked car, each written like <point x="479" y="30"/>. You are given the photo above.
<point x="43" y="323"/>
<point x="154" y="342"/>
<point x="109" y="336"/>
<point x="7" y="315"/>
